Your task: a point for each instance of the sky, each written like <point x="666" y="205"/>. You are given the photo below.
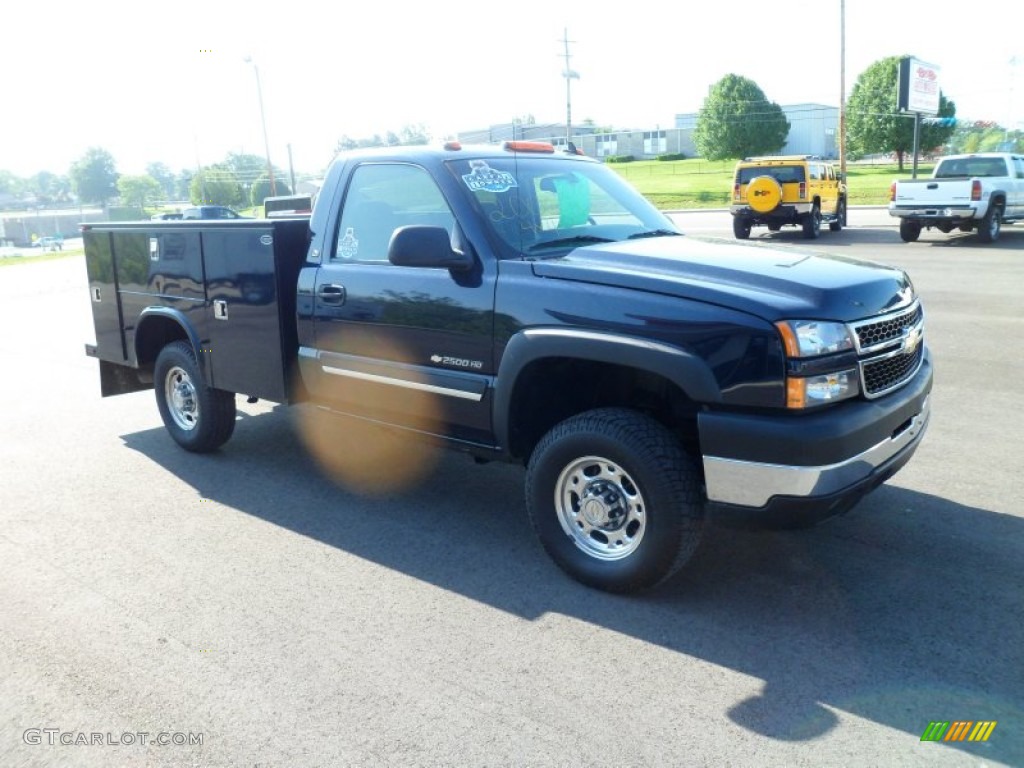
<point x="168" y="82"/>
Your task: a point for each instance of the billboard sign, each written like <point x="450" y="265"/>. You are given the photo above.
<point x="918" y="87"/>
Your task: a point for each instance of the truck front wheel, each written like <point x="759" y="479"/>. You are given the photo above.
<point x="988" y="229"/>
<point x="909" y="230"/>
<point x="199" y="418"/>
<point x="614" y="499"/>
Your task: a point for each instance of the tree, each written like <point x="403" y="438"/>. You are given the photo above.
<point x="261" y="189"/>
<point x="216" y="185"/>
<point x="874" y="125"/>
<point x="984" y="136"/>
<point x="164" y="176"/>
<point x="10" y="184"/>
<point x="138" y="190"/>
<point x="45" y="186"/>
<point x="247" y="168"/>
<point x="94" y="176"/>
<point x="737" y="120"/>
<point x="183" y="185"/>
<point x="414" y="134"/>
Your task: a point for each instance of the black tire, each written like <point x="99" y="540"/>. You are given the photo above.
<point x="615" y="500"/>
<point x="837" y="224"/>
<point x="199" y="418"/>
<point x="909" y="230"/>
<point x="991" y="225"/>
<point x="812" y="223"/>
<point x="741" y="227"/>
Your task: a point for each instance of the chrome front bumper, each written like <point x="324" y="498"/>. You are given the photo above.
<point x="754" y="484"/>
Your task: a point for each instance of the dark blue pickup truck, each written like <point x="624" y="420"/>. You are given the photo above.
<point x="526" y="305"/>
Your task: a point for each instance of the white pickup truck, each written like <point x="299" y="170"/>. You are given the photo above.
<point x="969" y="192"/>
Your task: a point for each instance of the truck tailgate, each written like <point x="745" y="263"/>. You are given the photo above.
<point x="933" y="192"/>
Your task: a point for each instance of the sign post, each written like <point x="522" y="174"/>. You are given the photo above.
<point x="918" y="92"/>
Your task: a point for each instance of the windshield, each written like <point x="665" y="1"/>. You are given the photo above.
<point x="544" y="206"/>
<point x="971" y="166"/>
<point x="784" y="174"/>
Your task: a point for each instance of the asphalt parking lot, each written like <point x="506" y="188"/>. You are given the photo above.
<point x="289" y="620"/>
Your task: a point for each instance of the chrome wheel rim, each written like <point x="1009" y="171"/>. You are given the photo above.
<point x="180" y="395"/>
<point x="600" y="508"/>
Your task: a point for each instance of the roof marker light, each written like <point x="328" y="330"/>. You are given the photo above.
<point x="528" y="146"/>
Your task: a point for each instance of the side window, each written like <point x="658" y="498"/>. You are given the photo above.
<point x="381" y="198"/>
<point x="815" y="172"/>
<point x="1019" y="163"/>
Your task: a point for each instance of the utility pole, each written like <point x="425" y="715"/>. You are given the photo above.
<point x="291" y="168"/>
<point x="263" y="120"/>
<point x="842" y="87"/>
<point x="569" y="74"/>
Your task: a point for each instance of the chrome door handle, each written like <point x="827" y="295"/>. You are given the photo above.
<point x="331" y="293"/>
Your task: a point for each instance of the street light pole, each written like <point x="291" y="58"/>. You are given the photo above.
<point x="263" y="120"/>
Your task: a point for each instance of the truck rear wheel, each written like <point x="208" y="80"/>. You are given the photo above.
<point x="839" y="221"/>
<point x="740" y="227"/>
<point x="990" y="226"/>
<point x="812" y="223"/>
<point x="909" y="230"/>
<point x="199" y="418"/>
<point x="614" y="499"/>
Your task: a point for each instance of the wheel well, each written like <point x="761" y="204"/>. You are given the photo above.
<point x="155" y="333"/>
<point x="551" y="390"/>
<point x="999" y="200"/>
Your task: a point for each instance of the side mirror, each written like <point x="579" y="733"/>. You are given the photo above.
<point x="422" y="246"/>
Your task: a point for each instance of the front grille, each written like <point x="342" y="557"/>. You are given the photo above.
<point x="890" y="329"/>
<point x="887" y="373"/>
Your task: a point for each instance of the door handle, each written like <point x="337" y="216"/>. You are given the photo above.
<point x="331" y="293"/>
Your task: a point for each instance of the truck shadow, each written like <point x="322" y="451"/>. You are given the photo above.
<point x="903" y="612"/>
<point x="1010" y="238"/>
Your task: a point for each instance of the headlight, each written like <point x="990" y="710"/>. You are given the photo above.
<point x="814" y="338"/>
<point x="808" y="338"/>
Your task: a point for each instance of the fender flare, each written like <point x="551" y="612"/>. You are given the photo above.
<point x="684" y="369"/>
<point x="997" y="197"/>
<point x="178" y="317"/>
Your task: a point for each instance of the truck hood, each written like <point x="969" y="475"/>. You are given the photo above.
<point x="771" y="283"/>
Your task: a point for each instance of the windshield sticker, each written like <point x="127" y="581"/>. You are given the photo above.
<point x="348" y="246"/>
<point x="483" y="178"/>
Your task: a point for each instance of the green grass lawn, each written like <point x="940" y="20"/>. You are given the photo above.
<point x="705" y="184"/>
<point x="33" y="256"/>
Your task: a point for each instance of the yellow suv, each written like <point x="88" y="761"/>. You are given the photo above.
<point x="802" y="190"/>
